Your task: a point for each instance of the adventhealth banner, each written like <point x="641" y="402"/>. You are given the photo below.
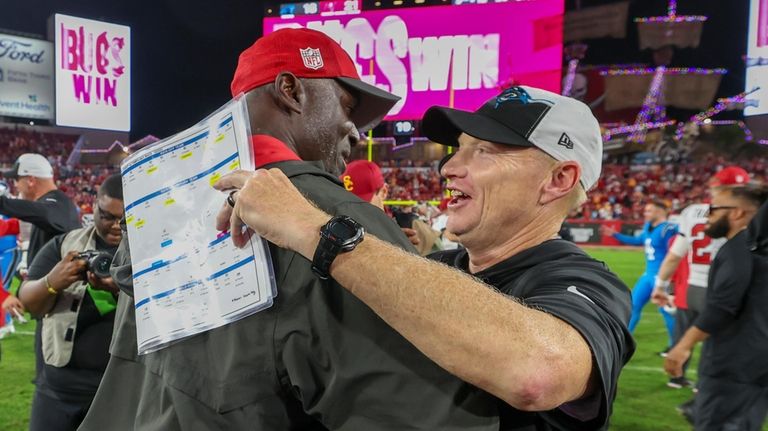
<point x="26" y="77"/>
<point x="93" y="74"/>
<point x="448" y="55"/>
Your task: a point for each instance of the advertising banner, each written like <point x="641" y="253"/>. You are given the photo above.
<point x="26" y="77"/>
<point x="93" y="74"/>
<point x="757" y="58"/>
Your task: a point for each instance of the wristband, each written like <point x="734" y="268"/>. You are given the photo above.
<point x="662" y="284"/>
<point x="50" y="288"/>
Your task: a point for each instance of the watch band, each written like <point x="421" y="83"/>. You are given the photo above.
<point x="340" y="235"/>
<point x="325" y="253"/>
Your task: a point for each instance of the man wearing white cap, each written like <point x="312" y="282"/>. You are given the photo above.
<point x="43" y="205"/>
<point x="538" y="324"/>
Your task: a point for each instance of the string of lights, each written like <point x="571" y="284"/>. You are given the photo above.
<point x="609" y="133"/>
<point x="747" y="132"/>
<point x="672" y="16"/>
<point x="669" y="71"/>
<point x="569" y="77"/>
<point x="721" y="105"/>
<point x="685" y="18"/>
<point x="650" y="109"/>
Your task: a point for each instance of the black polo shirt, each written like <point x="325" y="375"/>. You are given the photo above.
<point x="52" y="214"/>
<point x="735" y="315"/>
<point x="559" y="278"/>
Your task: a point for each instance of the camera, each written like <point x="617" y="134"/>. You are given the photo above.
<point x="404" y="219"/>
<point x="98" y="262"/>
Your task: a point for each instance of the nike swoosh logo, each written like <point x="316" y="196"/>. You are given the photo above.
<point x="574" y="289"/>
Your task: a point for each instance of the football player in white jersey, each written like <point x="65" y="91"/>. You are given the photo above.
<point x="692" y="242"/>
<point x="699" y="249"/>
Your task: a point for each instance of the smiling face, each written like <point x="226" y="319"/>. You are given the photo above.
<point x="326" y="131"/>
<point x="106" y="217"/>
<point x="495" y="190"/>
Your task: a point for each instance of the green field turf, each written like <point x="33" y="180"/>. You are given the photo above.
<point x="643" y="402"/>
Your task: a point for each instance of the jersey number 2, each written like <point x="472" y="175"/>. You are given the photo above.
<point x="700" y="251"/>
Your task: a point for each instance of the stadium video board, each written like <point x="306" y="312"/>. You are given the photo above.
<point x="323" y="7"/>
<point x="447" y="55"/>
<point x="26" y="77"/>
<point x="93" y="74"/>
<point x="757" y="58"/>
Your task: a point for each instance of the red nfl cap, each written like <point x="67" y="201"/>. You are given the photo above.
<point x="310" y="54"/>
<point x="363" y="178"/>
<point x="729" y="176"/>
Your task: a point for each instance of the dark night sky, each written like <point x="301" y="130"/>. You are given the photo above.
<point x="184" y="52"/>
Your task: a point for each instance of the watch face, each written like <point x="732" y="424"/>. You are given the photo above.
<point x="342" y="231"/>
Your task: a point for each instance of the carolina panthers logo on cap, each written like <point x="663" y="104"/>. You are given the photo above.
<point x="312" y="58"/>
<point x="517" y="94"/>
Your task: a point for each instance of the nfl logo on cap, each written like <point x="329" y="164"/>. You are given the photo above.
<point x="311" y="58"/>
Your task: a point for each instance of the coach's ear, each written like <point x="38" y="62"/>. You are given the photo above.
<point x="563" y="177"/>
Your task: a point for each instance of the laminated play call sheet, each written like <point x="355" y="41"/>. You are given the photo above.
<point x="187" y="276"/>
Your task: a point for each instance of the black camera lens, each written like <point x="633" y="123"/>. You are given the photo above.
<point x="100" y="265"/>
<point x="97" y="262"/>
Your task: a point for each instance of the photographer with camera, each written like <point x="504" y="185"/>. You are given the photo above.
<point x="70" y="290"/>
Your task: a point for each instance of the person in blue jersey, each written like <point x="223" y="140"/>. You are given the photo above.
<point x="655" y="237"/>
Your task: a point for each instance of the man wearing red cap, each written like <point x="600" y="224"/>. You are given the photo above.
<point x="318" y="359"/>
<point x="365" y="180"/>
<point x="733" y="376"/>
<point x="327" y="82"/>
<point x="700" y="249"/>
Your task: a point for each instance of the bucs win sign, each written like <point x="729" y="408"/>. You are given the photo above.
<point x="445" y="55"/>
<point x="93" y="68"/>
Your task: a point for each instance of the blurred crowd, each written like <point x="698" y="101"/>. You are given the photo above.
<point x="79" y="183"/>
<point x="15" y="142"/>
<point x="623" y="189"/>
<point x="620" y="194"/>
<point x="417" y="184"/>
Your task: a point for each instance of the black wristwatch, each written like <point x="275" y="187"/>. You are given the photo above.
<point x="340" y="235"/>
